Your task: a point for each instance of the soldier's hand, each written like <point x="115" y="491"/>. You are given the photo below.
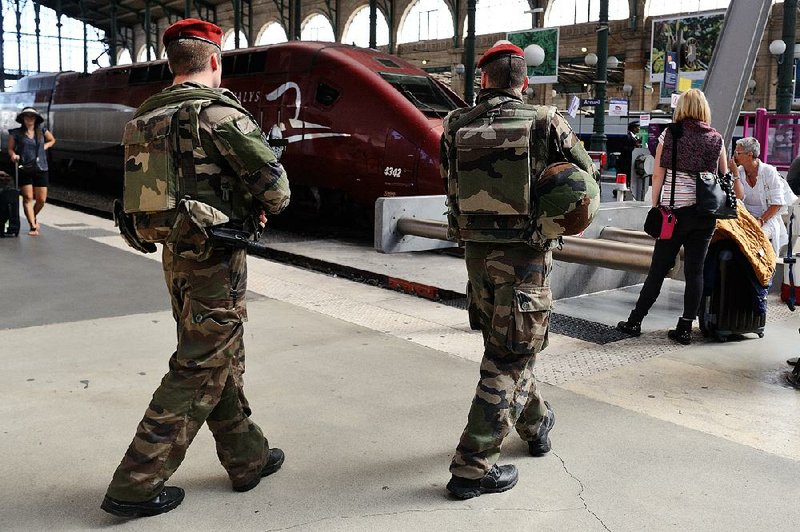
<point x="262" y="219"/>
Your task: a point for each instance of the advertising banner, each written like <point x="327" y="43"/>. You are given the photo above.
<point x="547" y="38"/>
<point x="689" y="42"/>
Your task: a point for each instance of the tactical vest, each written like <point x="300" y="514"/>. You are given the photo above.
<point x="162" y="144"/>
<point x="497" y="154"/>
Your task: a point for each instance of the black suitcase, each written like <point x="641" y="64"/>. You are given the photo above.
<point x="731" y="303"/>
<point x="9" y="210"/>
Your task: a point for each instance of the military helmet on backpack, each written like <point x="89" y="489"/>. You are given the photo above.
<point x="567" y="199"/>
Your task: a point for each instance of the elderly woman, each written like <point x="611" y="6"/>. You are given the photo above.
<point x="760" y="187"/>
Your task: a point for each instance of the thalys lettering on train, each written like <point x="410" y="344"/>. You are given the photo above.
<point x="361" y="124"/>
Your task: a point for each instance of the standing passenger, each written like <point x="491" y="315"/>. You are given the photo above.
<point x="509" y="289"/>
<point x="699" y="149"/>
<point x="228" y="173"/>
<point x="26" y="147"/>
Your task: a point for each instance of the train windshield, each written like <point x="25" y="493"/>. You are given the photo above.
<point x="422" y="91"/>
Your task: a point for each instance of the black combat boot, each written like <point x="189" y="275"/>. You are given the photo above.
<point x="499" y="478"/>
<point x="274" y="462"/>
<point x="630" y="327"/>
<point x="169" y="499"/>
<point x="541" y="445"/>
<point x="682" y="333"/>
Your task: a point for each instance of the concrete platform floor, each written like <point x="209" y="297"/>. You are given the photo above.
<point x="367" y="390"/>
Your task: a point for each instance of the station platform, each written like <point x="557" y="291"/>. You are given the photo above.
<point x="367" y="391"/>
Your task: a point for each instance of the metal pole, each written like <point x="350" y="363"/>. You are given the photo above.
<point x="58" y="26"/>
<point x="85" y="37"/>
<point x="296" y="29"/>
<point x="373" y="22"/>
<point x="148" y="31"/>
<point x="37" y="22"/>
<point x="237" y="21"/>
<point x="19" y="38"/>
<point x="598" y="141"/>
<point x="187" y="9"/>
<point x="469" y="55"/>
<point x="785" y="92"/>
<point x="112" y="42"/>
<point x="2" y="55"/>
<point x="592" y="252"/>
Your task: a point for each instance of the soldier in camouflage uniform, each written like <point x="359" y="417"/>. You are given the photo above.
<point x="237" y="175"/>
<point x="508" y="292"/>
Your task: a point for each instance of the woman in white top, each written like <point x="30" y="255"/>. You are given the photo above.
<point x="759" y="187"/>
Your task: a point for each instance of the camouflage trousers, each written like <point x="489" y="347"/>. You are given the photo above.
<point x="509" y="301"/>
<point x="204" y="382"/>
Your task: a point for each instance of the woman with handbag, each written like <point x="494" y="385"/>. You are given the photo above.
<point x="762" y="190"/>
<point x="687" y="148"/>
<point x="26" y="148"/>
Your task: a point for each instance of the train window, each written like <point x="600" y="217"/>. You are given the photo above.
<point x="240" y="66"/>
<point x="422" y="92"/>
<point x="387" y="62"/>
<point x="138" y="75"/>
<point x="258" y="62"/>
<point x="227" y="65"/>
<point x="155" y="72"/>
<point x="326" y="95"/>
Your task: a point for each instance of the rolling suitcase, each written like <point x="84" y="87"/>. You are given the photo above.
<point x="9" y="209"/>
<point x="731" y="304"/>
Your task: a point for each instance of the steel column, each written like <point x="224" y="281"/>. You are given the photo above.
<point x="148" y="37"/>
<point x="82" y="4"/>
<point x="112" y="42"/>
<point x="598" y="140"/>
<point x="785" y="90"/>
<point x="187" y="9"/>
<point x="19" y="37"/>
<point x="2" y="54"/>
<point x="58" y="26"/>
<point x="37" y="22"/>
<point x="373" y="22"/>
<point x="296" y="20"/>
<point x="469" y="55"/>
<point x="237" y="21"/>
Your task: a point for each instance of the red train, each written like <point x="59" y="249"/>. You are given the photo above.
<point x="361" y="124"/>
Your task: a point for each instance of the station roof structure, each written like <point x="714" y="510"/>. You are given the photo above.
<point x="129" y="12"/>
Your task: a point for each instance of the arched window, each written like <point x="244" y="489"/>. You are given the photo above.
<point x="229" y="43"/>
<point x="496" y="16"/>
<point x="424" y="20"/>
<point x="124" y="57"/>
<point x="656" y="8"/>
<point x="566" y="12"/>
<point x="141" y="57"/>
<point x="356" y="31"/>
<point x="317" y="28"/>
<point x="271" y="33"/>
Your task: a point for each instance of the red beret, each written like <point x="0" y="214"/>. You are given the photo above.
<point x="192" y="28"/>
<point x="500" y="49"/>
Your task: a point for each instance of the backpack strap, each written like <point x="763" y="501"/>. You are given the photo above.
<point x="477" y="111"/>
<point x="188" y="132"/>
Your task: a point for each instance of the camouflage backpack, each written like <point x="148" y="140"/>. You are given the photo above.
<point x="153" y="183"/>
<point x="496" y="165"/>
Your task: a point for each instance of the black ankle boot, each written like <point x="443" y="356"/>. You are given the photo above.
<point x="682" y="333"/>
<point x="630" y="327"/>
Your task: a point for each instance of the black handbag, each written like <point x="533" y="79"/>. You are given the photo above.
<point x="715" y="196"/>
<point x="660" y="221"/>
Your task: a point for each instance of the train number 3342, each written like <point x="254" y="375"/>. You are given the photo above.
<point x="391" y="171"/>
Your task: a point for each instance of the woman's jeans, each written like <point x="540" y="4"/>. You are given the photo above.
<point x="693" y="232"/>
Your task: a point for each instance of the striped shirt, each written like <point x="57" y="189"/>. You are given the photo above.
<point x="685" y="185"/>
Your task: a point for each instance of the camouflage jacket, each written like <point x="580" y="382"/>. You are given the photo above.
<point x="236" y="171"/>
<point x="562" y="145"/>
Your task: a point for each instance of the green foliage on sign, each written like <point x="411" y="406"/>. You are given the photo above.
<point x="546" y="38"/>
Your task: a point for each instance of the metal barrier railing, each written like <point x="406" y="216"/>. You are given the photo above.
<point x="633" y="254"/>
